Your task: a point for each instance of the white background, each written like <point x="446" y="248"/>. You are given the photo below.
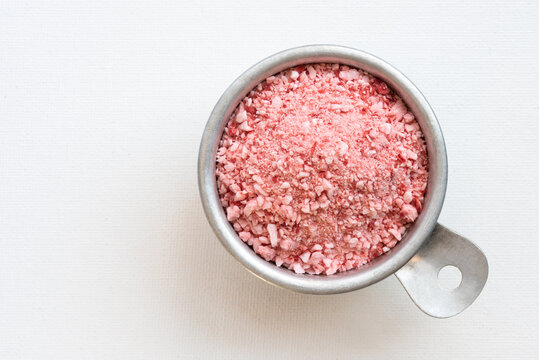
<point x="104" y="249"/>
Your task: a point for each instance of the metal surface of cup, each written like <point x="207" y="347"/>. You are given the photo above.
<point x="406" y="255"/>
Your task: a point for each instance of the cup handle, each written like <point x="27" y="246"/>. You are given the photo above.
<point x="419" y="276"/>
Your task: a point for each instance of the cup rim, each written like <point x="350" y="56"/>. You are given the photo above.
<point x="380" y="267"/>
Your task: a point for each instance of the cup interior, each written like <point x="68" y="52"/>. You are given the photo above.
<point x="378" y="268"/>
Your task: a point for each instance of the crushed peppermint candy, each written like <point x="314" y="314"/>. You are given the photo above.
<point x="322" y="168"/>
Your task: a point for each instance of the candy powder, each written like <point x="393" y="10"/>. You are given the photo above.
<point x="322" y="168"/>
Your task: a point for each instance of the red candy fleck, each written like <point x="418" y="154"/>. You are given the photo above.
<point x="381" y="87"/>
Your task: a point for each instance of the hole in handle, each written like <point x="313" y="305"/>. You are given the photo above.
<point x="450" y="277"/>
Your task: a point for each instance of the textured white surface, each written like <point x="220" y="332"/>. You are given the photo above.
<point x="104" y="250"/>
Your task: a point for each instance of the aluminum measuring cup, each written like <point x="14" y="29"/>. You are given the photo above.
<point x="426" y="247"/>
